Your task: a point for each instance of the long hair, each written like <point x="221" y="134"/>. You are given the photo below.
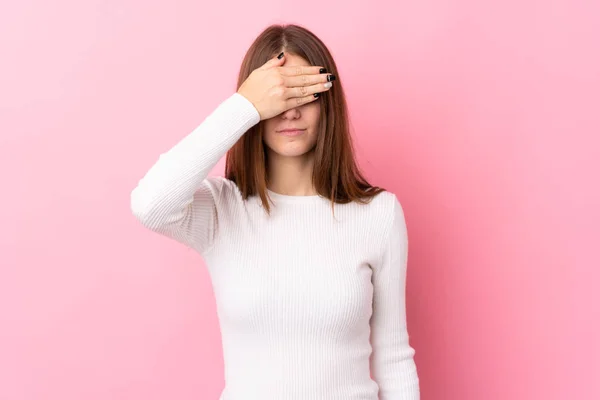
<point x="336" y="175"/>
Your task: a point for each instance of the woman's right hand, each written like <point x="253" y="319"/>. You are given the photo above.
<point x="273" y="88"/>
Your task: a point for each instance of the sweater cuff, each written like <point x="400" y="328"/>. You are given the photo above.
<point x="249" y="112"/>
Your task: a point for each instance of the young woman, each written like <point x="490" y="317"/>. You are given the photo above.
<point x="307" y="259"/>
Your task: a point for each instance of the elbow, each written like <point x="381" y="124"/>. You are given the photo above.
<point x="142" y="209"/>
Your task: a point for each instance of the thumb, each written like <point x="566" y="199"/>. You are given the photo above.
<point x="274" y="61"/>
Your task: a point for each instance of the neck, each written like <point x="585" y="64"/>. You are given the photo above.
<point x="291" y="175"/>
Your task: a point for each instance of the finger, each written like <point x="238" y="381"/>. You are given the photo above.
<point x="299" y="70"/>
<point x="298" y="101"/>
<point x="306" y="80"/>
<point x="274" y="61"/>
<point x="302" y="91"/>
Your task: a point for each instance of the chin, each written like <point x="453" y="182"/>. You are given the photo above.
<point x="286" y="148"/>
<point x="290" y="152"/>
<point x="291" y="149"/>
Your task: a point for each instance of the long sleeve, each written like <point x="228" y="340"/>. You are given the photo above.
<point x="175" y="198"/>
<point x="392" y="363"/>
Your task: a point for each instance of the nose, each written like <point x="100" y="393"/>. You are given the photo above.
<point x="292" y="113"/>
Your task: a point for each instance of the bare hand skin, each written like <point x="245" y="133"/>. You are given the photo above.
<point x="273" y="88"/>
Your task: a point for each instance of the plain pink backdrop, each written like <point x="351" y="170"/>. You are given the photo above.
<point x="483" y="118"/>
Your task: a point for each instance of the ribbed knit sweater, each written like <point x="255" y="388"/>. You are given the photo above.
<point x="311" y="305"/>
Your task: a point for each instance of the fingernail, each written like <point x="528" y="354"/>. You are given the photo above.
<point x="280" y="55"/>
<point x="323" y="70"/>
<point x="328" y="85"/>
<point x="317" y="94"/>
<point x="330" y="78"/>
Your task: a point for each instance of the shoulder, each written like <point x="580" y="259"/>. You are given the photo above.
<point x="217" y="184"/>
<point x="220" y="186"/>
<point x="387" y="205"/>
<point x="225" y="192"/>
<point x="381" y="210"/>
<point x="387" y="214"/>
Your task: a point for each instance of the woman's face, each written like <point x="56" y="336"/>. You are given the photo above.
<point x="304" y="117"/>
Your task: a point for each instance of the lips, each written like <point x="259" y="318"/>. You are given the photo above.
<point x="291" y="130"/>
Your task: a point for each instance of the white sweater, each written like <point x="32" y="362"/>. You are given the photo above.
<point x="311" y="307"/>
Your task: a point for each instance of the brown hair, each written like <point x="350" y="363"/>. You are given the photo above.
<point x="335" y="174"/>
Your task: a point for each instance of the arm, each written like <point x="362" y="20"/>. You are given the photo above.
<point x="175" y="198"/>
<point x="392" y="362"/>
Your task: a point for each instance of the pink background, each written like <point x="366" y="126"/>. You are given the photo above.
<point x="483" y="119"/>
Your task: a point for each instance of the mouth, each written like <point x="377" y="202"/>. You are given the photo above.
<point x="291" y="132"/>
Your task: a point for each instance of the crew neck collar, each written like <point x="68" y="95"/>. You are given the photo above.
<point x="286" y="198"/>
